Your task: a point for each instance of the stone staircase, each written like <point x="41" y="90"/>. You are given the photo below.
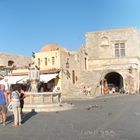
<point x="87" y="78"/>
<point x="91" y="79"/>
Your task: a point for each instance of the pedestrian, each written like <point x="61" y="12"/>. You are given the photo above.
<point x="84" y="90"/>
<point x="15" y="99"/>
<point x="88" y="90"/>
<point x="6" y="84"/>
<point x="22" y="96"/>
<point x="3" y="101"/>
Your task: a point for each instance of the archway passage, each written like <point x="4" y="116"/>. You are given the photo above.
<point x="114" y="80"/>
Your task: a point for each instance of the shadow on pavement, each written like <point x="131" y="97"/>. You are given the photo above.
<point x="9" y="119"/>
<point x="28" y="115"/>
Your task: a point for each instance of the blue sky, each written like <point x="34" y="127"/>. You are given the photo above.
<point x="27" y="25"/>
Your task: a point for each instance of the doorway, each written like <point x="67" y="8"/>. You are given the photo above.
<point x="114" y="80"/>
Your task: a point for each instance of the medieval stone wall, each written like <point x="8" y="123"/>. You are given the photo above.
<point x="18" y="60"/>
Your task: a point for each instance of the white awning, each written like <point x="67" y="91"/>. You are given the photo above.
<point x="13" y="79"/>
<point x="23" y="79"/>
<point x="47" y="77"/>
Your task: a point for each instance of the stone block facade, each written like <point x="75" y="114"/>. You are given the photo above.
<point x="18" y="60"/>
<point x="117" y="53"/>
<point x="109" y="58"/>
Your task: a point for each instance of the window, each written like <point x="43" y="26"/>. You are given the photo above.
<point x="67" y="63"/>
<point x="53" y="60"/>
<point x="119" y="49"/>
<point x="46" y="61"/>
<point x="10" y="62"/>
<point x="38" y="61"/>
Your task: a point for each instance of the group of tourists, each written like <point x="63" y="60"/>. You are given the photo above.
<point x="11" y="98"/>
<point x="86" y="90"/>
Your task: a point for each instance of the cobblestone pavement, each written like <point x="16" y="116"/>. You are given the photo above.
<point x="103" y="118"/>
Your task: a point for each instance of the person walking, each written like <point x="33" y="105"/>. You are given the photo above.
<point x="3" y="101"/>
<point x="15" y="99"/>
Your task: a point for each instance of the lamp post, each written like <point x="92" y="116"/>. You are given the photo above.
<point x="130" y="69"/>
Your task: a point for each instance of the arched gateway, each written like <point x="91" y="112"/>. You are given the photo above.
<point x="114" y="80"/>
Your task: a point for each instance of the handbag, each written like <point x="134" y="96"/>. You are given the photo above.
<point x="10" y="107"/>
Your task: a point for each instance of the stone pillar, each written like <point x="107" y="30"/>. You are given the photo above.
<point x="34" y="85"/>
<point x="34" y="78"/>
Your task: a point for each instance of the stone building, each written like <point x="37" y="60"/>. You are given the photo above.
<point x="109" y="62"/>
<point x="57" y="67"/>
<point x="9" y="62"/>
<point x="54" y="59"/>
<point x="114" y="58"/>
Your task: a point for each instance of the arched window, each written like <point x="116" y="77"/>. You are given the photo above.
<point x="46" y="61"/>
<point x="10" y="62"/>
<point x="53" y="60"/>
<point x="39" y="61"/>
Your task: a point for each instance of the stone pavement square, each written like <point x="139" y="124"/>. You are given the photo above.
<point x="103" y="118"/>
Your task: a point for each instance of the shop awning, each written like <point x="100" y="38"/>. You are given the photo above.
<point x="14" y="79"/>
<point x="23" y="79"/>
<point x="47" y="77"/>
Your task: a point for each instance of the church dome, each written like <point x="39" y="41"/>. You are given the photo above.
<point x="52" y="47"/>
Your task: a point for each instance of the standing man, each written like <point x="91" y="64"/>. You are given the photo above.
<point x="3" y="100"/>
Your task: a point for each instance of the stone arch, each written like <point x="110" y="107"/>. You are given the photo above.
<point x="115" y="80"/>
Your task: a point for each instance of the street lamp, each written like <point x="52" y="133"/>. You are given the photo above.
<point x="130" y="69"/>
